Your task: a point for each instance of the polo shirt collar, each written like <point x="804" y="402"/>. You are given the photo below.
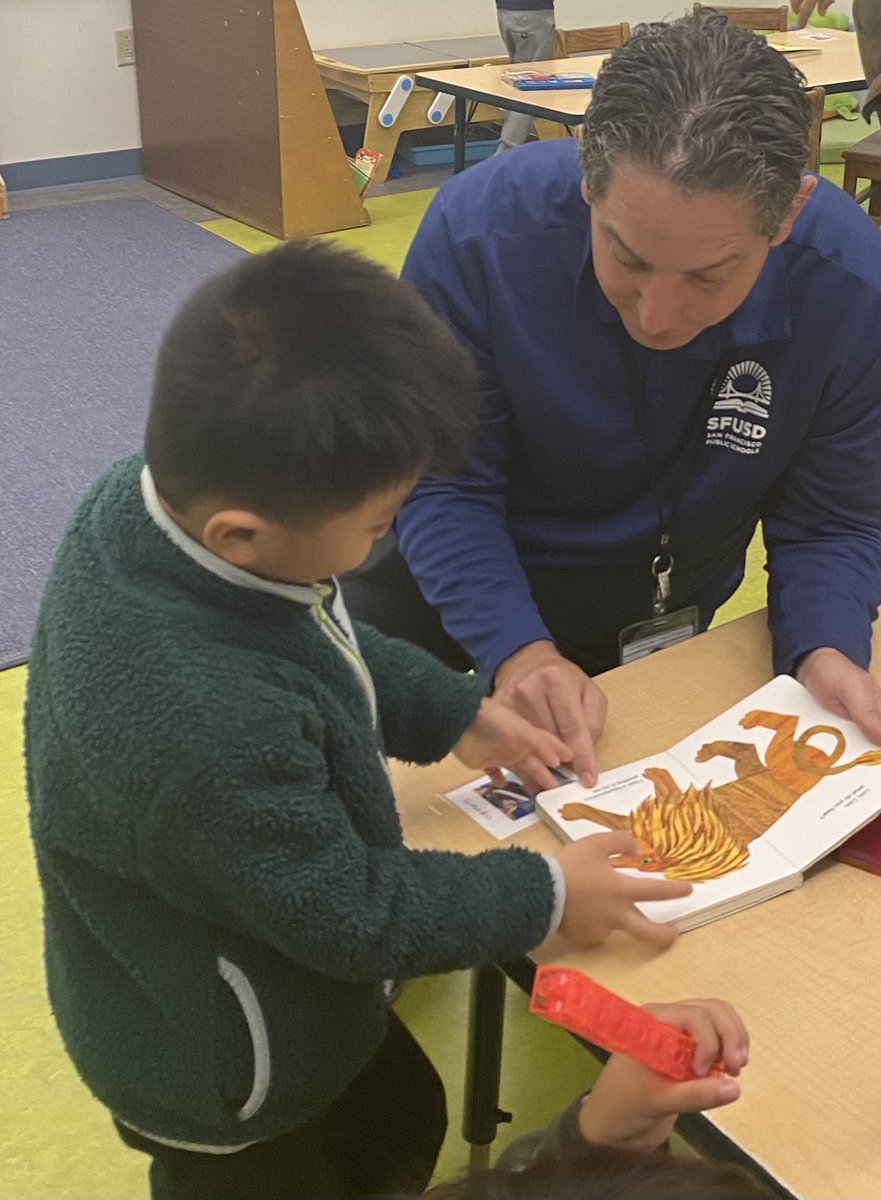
<point x="298" y="592"/>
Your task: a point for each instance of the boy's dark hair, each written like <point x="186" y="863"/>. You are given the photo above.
<point x="605" y="1173"/>
<point x="705" y="105"/>
<point x="300" y="381"/>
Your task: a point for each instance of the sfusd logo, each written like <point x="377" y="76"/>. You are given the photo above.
<point x="740" y="414"/>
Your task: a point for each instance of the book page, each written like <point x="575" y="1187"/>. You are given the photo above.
<point x="782" y="768"/>
<point x="616" y="794"/>
<point x="766" y="873"/>
<point x="755" y="796"/>
<point x="677" y="838"/>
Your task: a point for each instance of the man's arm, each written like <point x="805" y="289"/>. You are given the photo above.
<point x="455" y="536"/>
<point x="454" y="532"/>
<point x="823" y="533"/>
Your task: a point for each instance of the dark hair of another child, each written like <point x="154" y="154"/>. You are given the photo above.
<point x="299" y="382"/>
<point x="605" y="1173"/>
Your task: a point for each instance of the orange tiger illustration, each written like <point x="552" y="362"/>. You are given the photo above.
<point x="704" y="833"/>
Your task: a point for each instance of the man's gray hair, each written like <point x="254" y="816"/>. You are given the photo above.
<point x="706" y="106"/>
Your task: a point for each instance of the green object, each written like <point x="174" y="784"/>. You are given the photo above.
<point x="225" y="880"/>
<point x="831" y="20"/>
<point x="839" y="136"/>
<point x="360" y="178"/>
<point x="843" y="104"/>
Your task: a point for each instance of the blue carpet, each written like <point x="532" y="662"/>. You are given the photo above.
<point x="86" y="292"/>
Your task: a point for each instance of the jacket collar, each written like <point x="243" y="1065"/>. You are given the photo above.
<point x="300" y="593"/>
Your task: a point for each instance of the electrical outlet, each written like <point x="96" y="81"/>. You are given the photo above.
<point x="124" y="40"/>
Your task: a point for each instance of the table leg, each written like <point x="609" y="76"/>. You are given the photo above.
<point x="381" y="138"/>
<point x="875" y="201"/>
<point x="484" y="1063"/>
<point x="849" y="183"/>
<point x="459" y="136"/>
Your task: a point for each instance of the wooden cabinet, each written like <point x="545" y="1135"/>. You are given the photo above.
<point x="234" y="116"/>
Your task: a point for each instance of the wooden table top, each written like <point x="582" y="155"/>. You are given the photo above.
<point x="397" y="57"/>
<point x="804" y="969"/>
<point x="836" y="67"/>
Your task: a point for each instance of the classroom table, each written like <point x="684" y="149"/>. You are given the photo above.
<point x="804" y="969"/>
<point x="834" y="65"/>
<point x="368" y="73"/>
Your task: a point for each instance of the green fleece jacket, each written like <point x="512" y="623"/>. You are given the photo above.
<point x="225" y="881"/>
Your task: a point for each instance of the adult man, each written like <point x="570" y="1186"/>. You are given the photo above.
<point x="693" y="349"/>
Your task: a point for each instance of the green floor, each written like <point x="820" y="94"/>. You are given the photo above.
<point x="55" y="1141"/>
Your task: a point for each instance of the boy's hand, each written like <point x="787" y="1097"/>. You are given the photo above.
<point x="498" y="737"/>
<point x="635" y="1108"/>
<point x="600" y="897"/>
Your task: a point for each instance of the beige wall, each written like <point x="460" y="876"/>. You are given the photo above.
<point x="340" y="23"/>
<point x="61" y="92"/>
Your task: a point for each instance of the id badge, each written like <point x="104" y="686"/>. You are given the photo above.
<point x="646" y="637"/>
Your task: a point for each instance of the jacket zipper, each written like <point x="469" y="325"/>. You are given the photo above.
<point x="330" y="628"/>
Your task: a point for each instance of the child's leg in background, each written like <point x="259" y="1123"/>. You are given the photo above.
<point x="528" y="35"/>
<point x="383" y="1134"/>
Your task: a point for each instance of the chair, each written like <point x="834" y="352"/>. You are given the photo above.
<point x="751" y="18"/>
<point x="591" y="40"/>
<point x="863" y="161"/>
<point x="817" y="97"/>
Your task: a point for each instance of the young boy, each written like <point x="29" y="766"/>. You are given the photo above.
<point x="226" y="886"/>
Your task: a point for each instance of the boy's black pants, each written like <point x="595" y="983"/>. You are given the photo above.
<point x="383" y="1134"/>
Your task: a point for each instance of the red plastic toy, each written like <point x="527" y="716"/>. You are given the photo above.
<point x="584" y="1007"/>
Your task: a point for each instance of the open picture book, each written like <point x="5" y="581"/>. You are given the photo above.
<point x="741" y="808"/>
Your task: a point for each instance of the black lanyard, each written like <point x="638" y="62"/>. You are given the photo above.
<point x="634" y="361"/>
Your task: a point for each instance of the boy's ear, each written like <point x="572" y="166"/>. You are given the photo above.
<point x="234" y="534"/>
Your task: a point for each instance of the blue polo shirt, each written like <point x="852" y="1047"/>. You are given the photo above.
<point x="589" y="443"/>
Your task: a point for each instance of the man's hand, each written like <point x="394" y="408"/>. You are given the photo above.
<point x="634" y="1108"/>
<point x="555" y="694"/>
<point x="844" y="688"/>
<point x="498" y="737"/>
<point x="600" y="897"/>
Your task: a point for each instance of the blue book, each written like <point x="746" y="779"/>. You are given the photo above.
<point x="537" y="81"/>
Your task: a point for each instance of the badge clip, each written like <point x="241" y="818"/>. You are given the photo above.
<point x="662" y="569"/>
